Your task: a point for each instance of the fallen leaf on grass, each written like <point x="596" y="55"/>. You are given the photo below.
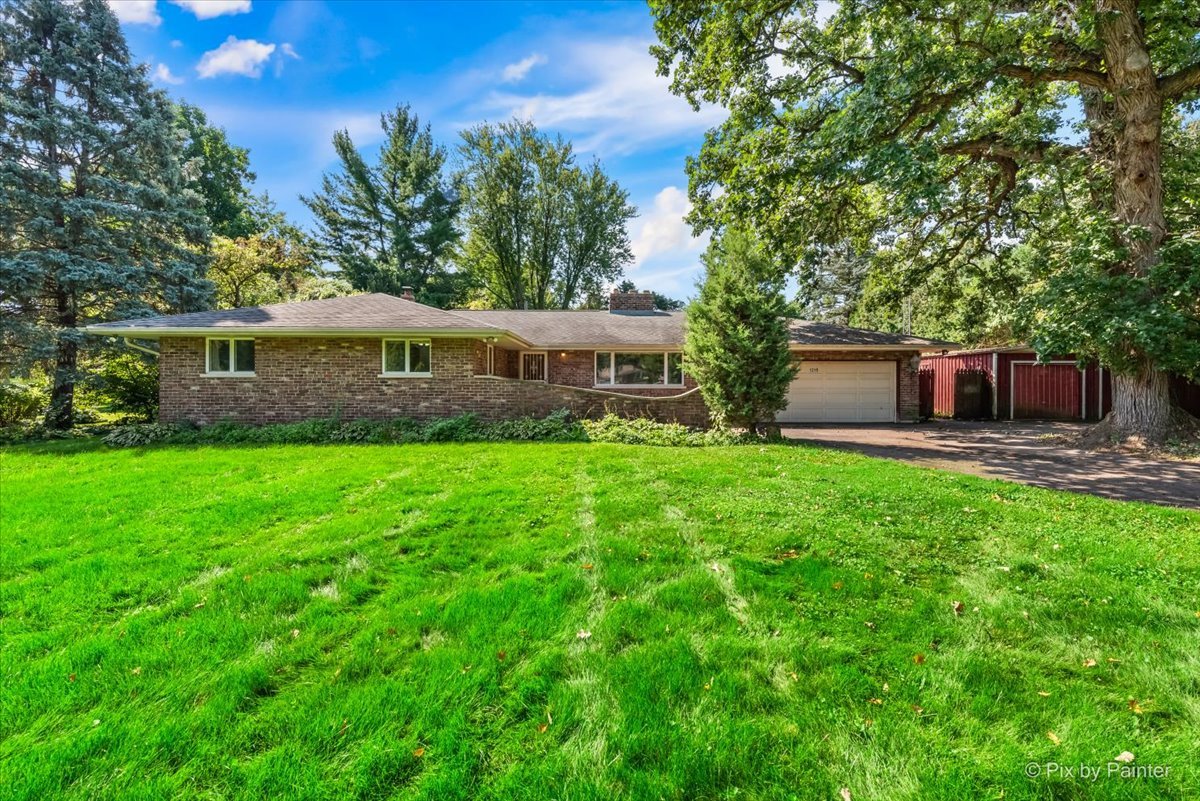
<point x="918" y="709"/>
<point x="588" y="566"/>
<point x="1089" y="663"/>
<point x="875" y="701"/>
<point x="959" y="607"/>
<point x="71" y="677"/>
<point x="137" y="671"/>
<point x="501" y="655"/>
<point x="542" y="728"/>
<point x="869" y="624"/>
<point x="1112" y="661"/>
<point x="295" y="633"/>
<point x="583" y="634"/>
<point x="1053" y="738"/>
<point x="837" y="585"/>
<point x="1135" y="707"/>
<point x="419" y="752"/>
<point x="709" y="685"/>
<point x="203" y="601"/>
<point x="844" y="793"/>
<point x="918" y="659"/>
<point x="1043" y="693"/>
<point x="1124" y="756"/>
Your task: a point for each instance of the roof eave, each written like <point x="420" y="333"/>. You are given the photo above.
<point x="155" y="332"/>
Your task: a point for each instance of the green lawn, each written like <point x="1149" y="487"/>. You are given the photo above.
<point x="412" y="621"/>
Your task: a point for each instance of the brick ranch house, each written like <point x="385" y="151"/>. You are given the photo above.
<point x="380" y="356"/>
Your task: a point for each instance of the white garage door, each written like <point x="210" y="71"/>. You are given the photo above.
<point x="842" y="392"/>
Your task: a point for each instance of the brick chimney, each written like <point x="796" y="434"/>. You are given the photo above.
<point x="406" y="293"/>
<point x="631" y="301"/>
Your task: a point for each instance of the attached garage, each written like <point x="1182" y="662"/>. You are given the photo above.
<point x="842" y="392"/>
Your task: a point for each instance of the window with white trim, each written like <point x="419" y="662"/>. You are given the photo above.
<point x="407" y="357"/>
<point x="229" y="356"/>
<point x="650" y="368"/>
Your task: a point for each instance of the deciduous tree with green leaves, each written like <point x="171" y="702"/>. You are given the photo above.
<point x="737" y="334"/>
<point x="970" y="128"/>
<point x="391" y="224"/>
<point x="542" y="232"/>
<point x="219" y="172"/>
<point x="98" y="223"/>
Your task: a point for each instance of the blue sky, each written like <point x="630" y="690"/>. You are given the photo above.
<point x="281" y="77"/>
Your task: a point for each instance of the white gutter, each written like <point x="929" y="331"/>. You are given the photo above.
<point x="129" y="343"/>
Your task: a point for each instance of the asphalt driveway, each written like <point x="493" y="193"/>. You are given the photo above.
<point x="1029" y="453"/>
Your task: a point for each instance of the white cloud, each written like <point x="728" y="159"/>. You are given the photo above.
<point x="235" y="57"/>
<point x="620" y="104"/>
<point x="208" y="9"/>
<point x="287" y="49"/>
<point x="163" y="74"/>
<point x="663" y="230"/>
<point x="518" y="70"/>
<point x="135" y="12"/>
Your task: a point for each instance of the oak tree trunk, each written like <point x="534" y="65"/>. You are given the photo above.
<point x="1141" y="403"/>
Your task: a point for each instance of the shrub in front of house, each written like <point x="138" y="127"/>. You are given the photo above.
<point x="558" y="426"/>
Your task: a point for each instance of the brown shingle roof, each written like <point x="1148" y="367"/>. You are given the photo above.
<point x="807" y="332"/>
<point x="568" y="329"/>
<point x="383" y="314"/>
<point x="375" y="312"/>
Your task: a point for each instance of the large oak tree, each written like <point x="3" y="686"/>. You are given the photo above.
<point x="943" y="136"/>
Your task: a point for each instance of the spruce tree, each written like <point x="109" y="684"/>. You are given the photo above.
<point x="97" y="223"/>
<point x="391" y="224"/>
<point x="737" y="334"/>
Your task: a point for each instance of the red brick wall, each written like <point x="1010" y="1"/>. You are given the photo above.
<point x="300" y="378"/>
<point x="908" y="402"/>
<point x="631" y="301"/>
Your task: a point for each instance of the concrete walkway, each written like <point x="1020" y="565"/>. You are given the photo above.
<point x="1029" y="453"/>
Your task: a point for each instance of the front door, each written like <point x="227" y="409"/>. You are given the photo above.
<point x="533" y="366"/>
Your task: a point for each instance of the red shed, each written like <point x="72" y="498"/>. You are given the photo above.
<point x="1021" y="388"/>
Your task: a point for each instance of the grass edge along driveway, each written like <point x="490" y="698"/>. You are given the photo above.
<point x="581" y="621"/>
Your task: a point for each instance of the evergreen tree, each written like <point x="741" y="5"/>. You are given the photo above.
<point x="737" y="334"/>
<point x="391" y="224"/>
<point x="98" y="223"/>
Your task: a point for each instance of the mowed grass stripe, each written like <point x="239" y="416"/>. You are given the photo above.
<point x="328" y="622"/>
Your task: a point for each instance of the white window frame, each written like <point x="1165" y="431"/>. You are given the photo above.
<point x="612" y="361"/>
<point x="232" y="372"/>
<point x="490" y="367"/>
<point x="385" y="373"/>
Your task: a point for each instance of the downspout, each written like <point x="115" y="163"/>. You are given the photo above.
<point x="995" y="384"/>
<point x="129" y="343"/>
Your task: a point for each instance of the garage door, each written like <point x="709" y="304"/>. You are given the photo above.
<point x="1046" y="391"/>
<point x="842" y="392"/>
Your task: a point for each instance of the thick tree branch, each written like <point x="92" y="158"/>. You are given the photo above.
<point x="1000" y="152"/>
<point x="1181" y="82"/>
<point x="1080" y="75"/>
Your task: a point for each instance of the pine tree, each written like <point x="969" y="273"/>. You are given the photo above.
<point x="97" y="222"/>
<point x="391" y="224"/>
<point x="737" y="334"/>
